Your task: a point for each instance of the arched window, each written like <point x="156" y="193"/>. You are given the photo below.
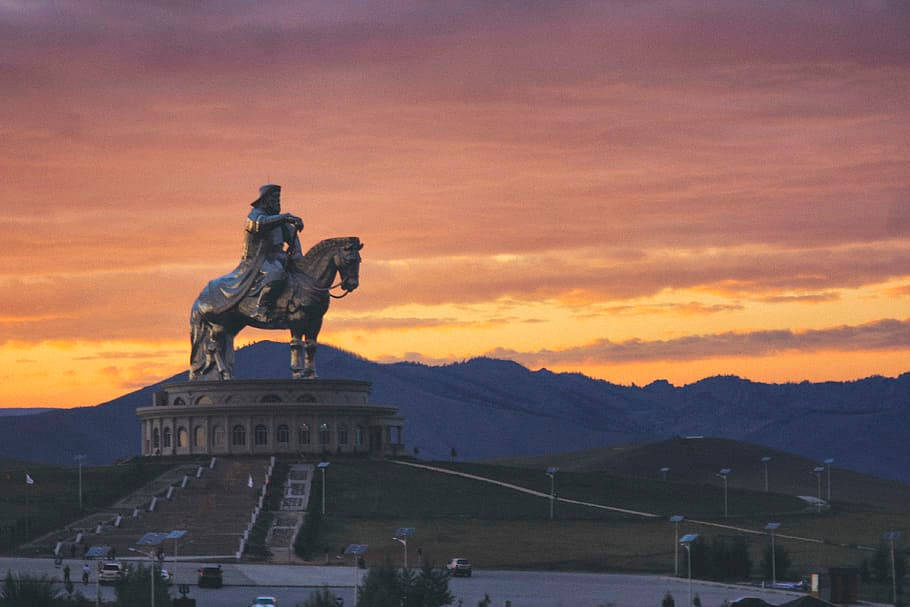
<point x="156" y="440"/>
<point x="217" y="436"/>
<point x="183" y="437"/>
<point x="270" y="398"/>
<point x="166" y="443"/>
<point x="238" y="436"/>
<point x="342" y="434"/>
<point x="303" y="434"/>
<point x="199" y="437"/>
<point x="205" y="399"/>
<point x="261" y="435"/>
<point x="283" y="435"/>
<point x="358" y="436"/>
<point x="324" y="434"/>
<point x="179" y="402"/>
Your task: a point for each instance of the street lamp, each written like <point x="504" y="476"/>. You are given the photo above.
<point x="323" y="466"/>
<point x="79" y="459"/>
<point x="723" y="474"/>
<point x="551" y="472"/>
<point x="676" y="519"/>
<point x="175" y="535"/>
<point x="893" y="536"/>
<point x="663" y="472"/>
<point x="402" y="535"/>
<point x="764" y="462"/>
<point x="151" y="571"/>
<point x="828" y="463"/>
<point x="817" y="471"/>
<point x="771" y="527"/>
<point x="686" y="542"/>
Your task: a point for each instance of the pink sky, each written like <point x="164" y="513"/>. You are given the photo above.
<point x="634" y="190"/>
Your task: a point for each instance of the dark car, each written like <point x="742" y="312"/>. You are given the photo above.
<point x="211" y="577"/>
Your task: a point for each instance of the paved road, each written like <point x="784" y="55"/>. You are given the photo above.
<point x="292" y="584"/>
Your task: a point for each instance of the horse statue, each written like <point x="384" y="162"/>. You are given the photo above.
<point x="299" y="307"/>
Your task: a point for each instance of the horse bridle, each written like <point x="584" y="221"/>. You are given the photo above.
<point x="338" y="284"/>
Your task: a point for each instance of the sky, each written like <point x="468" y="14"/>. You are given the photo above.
<point x="632" y="190"/>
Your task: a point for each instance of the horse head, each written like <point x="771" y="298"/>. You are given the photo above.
<point x="347" y="260"/>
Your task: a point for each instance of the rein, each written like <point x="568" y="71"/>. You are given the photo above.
<point x="329" y="289"/>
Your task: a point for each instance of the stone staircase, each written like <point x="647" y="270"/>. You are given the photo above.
<point x="213" y="504"/>
<point x="287" y="522"/>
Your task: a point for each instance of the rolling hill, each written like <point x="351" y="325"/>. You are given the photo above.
<point x="486" y="408"/>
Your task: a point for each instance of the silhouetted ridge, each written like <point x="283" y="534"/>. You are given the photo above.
<point x="486" y="407"/>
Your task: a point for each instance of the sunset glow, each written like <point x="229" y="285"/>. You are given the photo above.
<point x="634" y="191"/>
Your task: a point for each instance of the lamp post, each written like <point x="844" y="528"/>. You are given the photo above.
<point x="892" y="537"/>
<point x="663" y="473"/>
<point x="828" y="463"/>
<point x="175" y="535"/>
<point x="323" y="466"/>
<point x="723" y="474"/>
<point x="686" y="542"/>
<point x="771" y="527"/>
<point x="817" y="471"/>
<point x="676" y="519"/>
<point x="151" y="571"/>
<point x="764" y="462"/>
<point x="79" y="459"/>
<point x="551" y="472"/>
<point x="402" y="535"/>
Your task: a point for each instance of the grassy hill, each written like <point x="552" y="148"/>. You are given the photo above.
<point x="53" y="501"/>
<point x="500" y="528"/>
<point x="697" y="460"/>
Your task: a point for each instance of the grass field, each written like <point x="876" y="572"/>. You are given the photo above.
<point x="53" y="501"/>
<point x="499" y="528"/>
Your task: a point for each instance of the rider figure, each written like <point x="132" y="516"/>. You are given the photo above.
<point x="267" y="231"/>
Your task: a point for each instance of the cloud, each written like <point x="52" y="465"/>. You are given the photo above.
<point x="683" y="309"/>
<point x="808" y="298"/>
<point x="129" y="355"/>
<point x="886" y="334"/>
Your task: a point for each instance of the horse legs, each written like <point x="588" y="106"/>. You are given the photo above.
<point x="309" y="367"/>
<point x="296" y="347"/>
<point x="216" y="347"/>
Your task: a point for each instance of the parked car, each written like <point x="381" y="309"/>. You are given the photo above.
<point x="264" y="601"/>
<point x="111" y="572"/>
<point x="210" y="576"/>
<point x="459" y="566"/>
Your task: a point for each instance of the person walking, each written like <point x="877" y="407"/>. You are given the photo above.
<point x="66" y="574"/>
<point x="85" y="573"/>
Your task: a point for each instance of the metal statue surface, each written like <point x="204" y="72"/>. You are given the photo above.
<point x="275" y="286"/>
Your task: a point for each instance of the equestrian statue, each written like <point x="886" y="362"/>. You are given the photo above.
<point x="275" y="286"/>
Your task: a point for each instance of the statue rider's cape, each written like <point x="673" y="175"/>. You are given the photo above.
<point x="226" y="292"/>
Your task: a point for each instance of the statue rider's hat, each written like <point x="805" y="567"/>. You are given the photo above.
<point x="265" y="191"/>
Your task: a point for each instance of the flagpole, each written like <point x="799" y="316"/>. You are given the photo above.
<point x="28" y="511"/>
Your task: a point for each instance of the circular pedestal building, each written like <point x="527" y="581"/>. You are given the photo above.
<point x="269" y="417"/>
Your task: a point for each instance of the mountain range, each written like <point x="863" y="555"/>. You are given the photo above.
<point x="490" y="408"/>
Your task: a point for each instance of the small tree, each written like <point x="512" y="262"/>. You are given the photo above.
<point x="29" y="590"/>
<point x="385" y="586"/>
<point x="429" y="588"/>
<point x="668" y="601"/>
<point x="380" y="588"/>
<point x="320" y="598"/>
<point x="485" y="601"/>
<point x="135" y="589"/>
